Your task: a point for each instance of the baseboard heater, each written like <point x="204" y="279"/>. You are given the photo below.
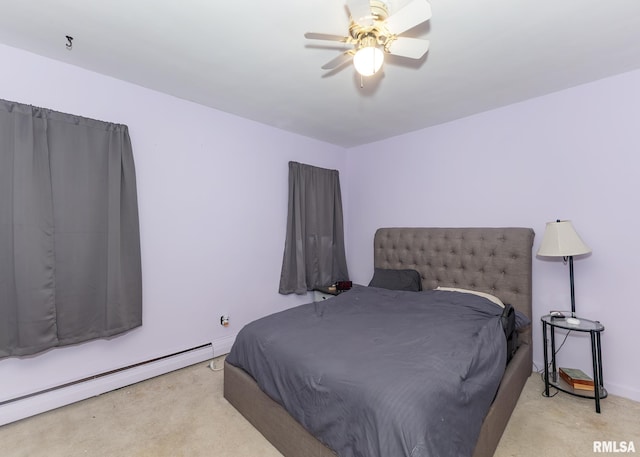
<point x="44" y="400"/>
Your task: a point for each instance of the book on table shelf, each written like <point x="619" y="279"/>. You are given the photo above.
<point x="576" y="378"/>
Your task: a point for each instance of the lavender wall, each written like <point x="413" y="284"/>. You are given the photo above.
<point x="213" y="201"/>
<point x="569" y="155"/>
<point x="212" y="195"/>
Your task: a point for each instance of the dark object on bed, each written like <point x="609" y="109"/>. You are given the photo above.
<point x="492" y="260"/>
<point x="508" y="321"/>
<point x="396" y="279"/>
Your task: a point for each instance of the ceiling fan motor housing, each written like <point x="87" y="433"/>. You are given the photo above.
<point x="379" y="10"/>
<point x="374" y="34"/>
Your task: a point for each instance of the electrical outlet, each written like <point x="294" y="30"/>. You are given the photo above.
<point x="224" y="320"/>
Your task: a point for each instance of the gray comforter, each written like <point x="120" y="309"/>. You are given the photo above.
<point x="381" y="373"/>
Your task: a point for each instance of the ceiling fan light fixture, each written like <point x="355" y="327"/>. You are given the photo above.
<point x="368" y="60"/>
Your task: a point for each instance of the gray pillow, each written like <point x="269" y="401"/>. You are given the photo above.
<point x="396" y="279"/>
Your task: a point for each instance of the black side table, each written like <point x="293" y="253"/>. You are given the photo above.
<point x="552" y="378"/>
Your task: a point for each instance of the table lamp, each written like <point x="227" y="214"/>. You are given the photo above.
<point x="560" y="239"/>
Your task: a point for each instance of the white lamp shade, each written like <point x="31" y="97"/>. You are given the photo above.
<point x="368" y="60"/>
<point x="560" y="239"/>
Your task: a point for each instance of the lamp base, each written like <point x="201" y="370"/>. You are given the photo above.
<point x="573" y="321"/>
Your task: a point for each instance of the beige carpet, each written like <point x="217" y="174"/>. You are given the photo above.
<point x="184" y="414"/>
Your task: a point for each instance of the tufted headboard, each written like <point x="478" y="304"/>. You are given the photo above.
<point x="492" y="260"/>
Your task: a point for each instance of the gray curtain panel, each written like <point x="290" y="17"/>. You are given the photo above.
<point x="70" y="267"/>
<point x="314" y="254"/>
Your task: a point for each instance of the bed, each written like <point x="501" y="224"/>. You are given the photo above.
<point x="496" y="261"/>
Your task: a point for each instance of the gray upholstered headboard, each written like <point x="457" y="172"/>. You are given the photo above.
<point x="492" y="260"/>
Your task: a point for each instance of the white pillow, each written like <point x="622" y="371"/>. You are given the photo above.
<point x="493" y="298"/>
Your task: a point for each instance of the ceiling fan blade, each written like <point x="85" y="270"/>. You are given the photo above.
<point x="408" y="17"/>
<point x="325" y="36"/>
<point x="338" y="61"/>
<point x="413" y="48"/>
<point x="360" y="12"/>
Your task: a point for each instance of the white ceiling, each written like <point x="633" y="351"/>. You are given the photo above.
<point x="250" y="58"/>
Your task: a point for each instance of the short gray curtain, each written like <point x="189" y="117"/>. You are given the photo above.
<point x="70" y="266"/>
<point x="314" y="254"/>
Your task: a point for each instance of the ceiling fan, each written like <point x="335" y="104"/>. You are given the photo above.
<point x="374" y="32"/>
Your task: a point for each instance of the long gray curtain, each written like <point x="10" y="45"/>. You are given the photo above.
<point x="69" y="237"/>
<point x="314" y="254"/>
